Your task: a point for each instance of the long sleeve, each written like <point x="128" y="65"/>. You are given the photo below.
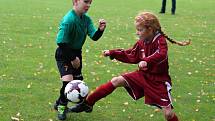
<point x="97" y="34"/>
<point x="160" y="55"/>
<point x="126" y="56"/>
<point x="91" y="30"/>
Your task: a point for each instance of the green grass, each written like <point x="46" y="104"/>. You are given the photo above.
<point x="27" y="46"/>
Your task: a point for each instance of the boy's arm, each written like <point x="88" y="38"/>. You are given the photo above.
<point x="101" y="28"/>
<point x="92" y="32"/>
<point x="97" y="35"/>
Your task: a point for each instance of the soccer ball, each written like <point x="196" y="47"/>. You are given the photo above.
<point x="76" y="91"/>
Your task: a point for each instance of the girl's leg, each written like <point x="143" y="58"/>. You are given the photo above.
<point x="169" y="114"/>
<point x="100" y="92"/>
<point x="105" y="89"/>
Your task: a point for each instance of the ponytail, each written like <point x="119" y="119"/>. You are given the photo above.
<point x="147" y="19"/>
<point x="184" y="43"/>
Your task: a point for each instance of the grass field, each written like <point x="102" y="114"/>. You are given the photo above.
<point x="29" y="80"/>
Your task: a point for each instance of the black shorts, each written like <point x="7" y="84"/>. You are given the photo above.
<point x="65" y="67"/>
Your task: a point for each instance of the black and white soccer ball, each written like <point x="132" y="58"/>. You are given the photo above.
<point x="76" y="91"/>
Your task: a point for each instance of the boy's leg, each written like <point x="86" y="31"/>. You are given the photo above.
<point x="66" y="76"/>
<point x="66" y="72"/>
<point x="169" y="114"/>
<point x="62" y="100"/>
<point x="62" y="106"/>
<point x="61" y="103"/>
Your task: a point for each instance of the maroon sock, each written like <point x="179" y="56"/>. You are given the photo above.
<point x="100" y="92"/>
<point x="174" y="118"/>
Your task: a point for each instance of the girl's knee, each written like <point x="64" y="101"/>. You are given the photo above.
<point x="168" y="113"/>
<point x="118" y="81"/>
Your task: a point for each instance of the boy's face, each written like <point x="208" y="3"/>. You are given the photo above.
<point x="83" y="5"/>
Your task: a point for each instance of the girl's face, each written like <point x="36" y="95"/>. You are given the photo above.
<point x="82" y="5"/>
<point x="144" y="33"/>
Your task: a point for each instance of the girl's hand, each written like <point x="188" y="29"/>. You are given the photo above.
<point x="106" y="53"/>
<point x="76" y="63"/>
<point x="142" y="65"/>
<point x="102" y="24"/>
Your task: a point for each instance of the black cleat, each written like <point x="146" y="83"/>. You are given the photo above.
<point x="80" y="108"/>
<point x="56" y="105"/>
<point x="61" y="112"/>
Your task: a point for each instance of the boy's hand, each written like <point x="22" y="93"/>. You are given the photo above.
<point x="76" y="63"/>
<point x="142" y="65"/>
<point x="106" y="53"/>
<point x="102" y="24"/>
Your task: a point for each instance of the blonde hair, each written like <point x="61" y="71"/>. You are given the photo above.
<point x="147" y="19"/>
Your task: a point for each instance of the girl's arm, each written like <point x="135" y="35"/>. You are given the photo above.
<point x="159" y="56"/>
<point x="126" y="56"/>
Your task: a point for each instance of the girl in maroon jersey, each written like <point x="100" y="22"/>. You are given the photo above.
<point x="152" y="79"/>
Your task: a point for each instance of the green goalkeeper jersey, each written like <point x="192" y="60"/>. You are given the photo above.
<point x="74" y="29"/>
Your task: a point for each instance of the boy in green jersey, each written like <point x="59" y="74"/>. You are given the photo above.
<point x="73" y="30"/>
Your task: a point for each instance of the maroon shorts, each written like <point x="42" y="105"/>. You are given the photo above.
<point x="156" y="92"/>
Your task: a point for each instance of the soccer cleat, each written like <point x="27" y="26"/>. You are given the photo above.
<point x="81" y="107"/>
<point x="56" y="105"/>
<point x="61" y="112"/>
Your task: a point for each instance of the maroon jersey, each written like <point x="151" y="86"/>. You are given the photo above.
<point x="155" y="82"/>
<point x="154" y="53"/>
